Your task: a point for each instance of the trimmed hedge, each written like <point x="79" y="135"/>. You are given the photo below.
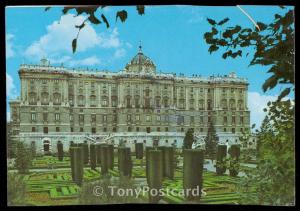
<point x="139" y="150"/>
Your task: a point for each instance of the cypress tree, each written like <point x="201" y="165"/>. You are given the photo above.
<point x="60" y="151"/>
<point x="221" y="162"/>
<point x="211" y="141"/>
<point x="188" y="139"/>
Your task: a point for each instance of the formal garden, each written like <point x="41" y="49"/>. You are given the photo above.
<point x="67" y="178"/>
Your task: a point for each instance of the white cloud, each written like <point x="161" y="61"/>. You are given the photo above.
<point x="120" y="53"/>
<point x="10" y="86"/>
<point x="256" y="104"/>
<point x="61" y="33"/>
<point x="9" y="46"/>
<point x="89" y="61"/>
<point x="69" y="61"/>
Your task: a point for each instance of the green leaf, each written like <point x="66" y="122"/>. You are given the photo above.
<point x="214" y="31"/>
<point x="93" y="19"/>
<point x="122" y="15"/>
<point x="270" y="83"/>
<point x="262" y="26"/>
<point x="140" y="9"/>
<point x="211" y="21"/>
<point x="213" y="48"/>
<point x="66" y="9"/>
<point x="74" y="45"/>
<point x="223" y="21"/>
<point x="105" y="20"/>
<point x="253" y="126"/>
<point x="284" y="93"/>
<point x="47" y="8"/>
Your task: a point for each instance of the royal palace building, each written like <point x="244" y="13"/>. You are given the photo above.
<point x="136" y="104"/>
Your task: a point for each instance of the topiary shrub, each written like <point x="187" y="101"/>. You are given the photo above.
<point x="104" y="159"/>
<point x="192" y="172"/>
<point x="168" y="161"/>
<point x="139" y="150"/>
<point x="147" y="161"/>
<point x="60" y="151"/>
<point x="221" y="159"/>
<point x="93" y="156"/>
<point x="155" y="174"/>
<point x="77" y="164"/>
<point x="124" y="162"/>
<point x="234" y="165"/>
<point x="110" y="156"/>
<point x="85" y="147"/>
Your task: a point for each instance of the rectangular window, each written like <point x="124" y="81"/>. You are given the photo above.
<point x="93" y="130"/>
<point x="233" y="130"/>
<point x="71" y="117"/>
<point x="137" y="129"/>
<point x="81" y="129"/>
<point x="57" y="129"/>
<point x="72" y="129"/>
<point x="33" y="129"/>
<point x="45" y="117"/>
<point x="225" y="129"/>
<point x="158" y="129"/>
<point x="45" y="129"/>
<point x="81" y="118"/>
<point x="242" y="120"/>
<point x="93" y="117"/>
<point x="158" y="118"/>
<point x="57" y="117"/>
<point x="104" y="118"/>
<point x="33" y="116"/>
<point x="233" y="120"/>
<point x="201" y="120"/>
<point x="192" y="119"/>
<point x="128" y="117"/>
<point x="225" y="120"/>
<point x="104" y="129"/>
<point x="167" y="129"/>
<point x="148" y="118"/>
<point x="137" y="117"/>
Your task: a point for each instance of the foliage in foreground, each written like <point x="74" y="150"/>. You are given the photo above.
<point x="24" y="157"/>
<point x="273" y="181"/>
<point x="16" y="189"/>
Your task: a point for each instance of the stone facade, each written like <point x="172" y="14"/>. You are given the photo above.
<point x="58" y="103"/>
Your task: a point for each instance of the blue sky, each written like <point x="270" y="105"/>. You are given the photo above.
<point x="172" y="36"/>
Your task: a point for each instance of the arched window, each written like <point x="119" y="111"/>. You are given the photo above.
<point x="56" y="98"/>
<point x="157" y="102"/>
<point x="201" y="104"/>
<point x="128" y="103"/>
<point x="32" y="98"/>
<point x="240" y="104"/>
<point x="81" y="100"/>
<point x="104" y="101"/>
<point x="93" y="100"/>
<point x="45" y="98"/>
<point x="224" y="104"/>
<point x="232" y="104"/>
<point x="166" y="102"/>
<point x="209" y="105"/>
<point x="136" y="101"/>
